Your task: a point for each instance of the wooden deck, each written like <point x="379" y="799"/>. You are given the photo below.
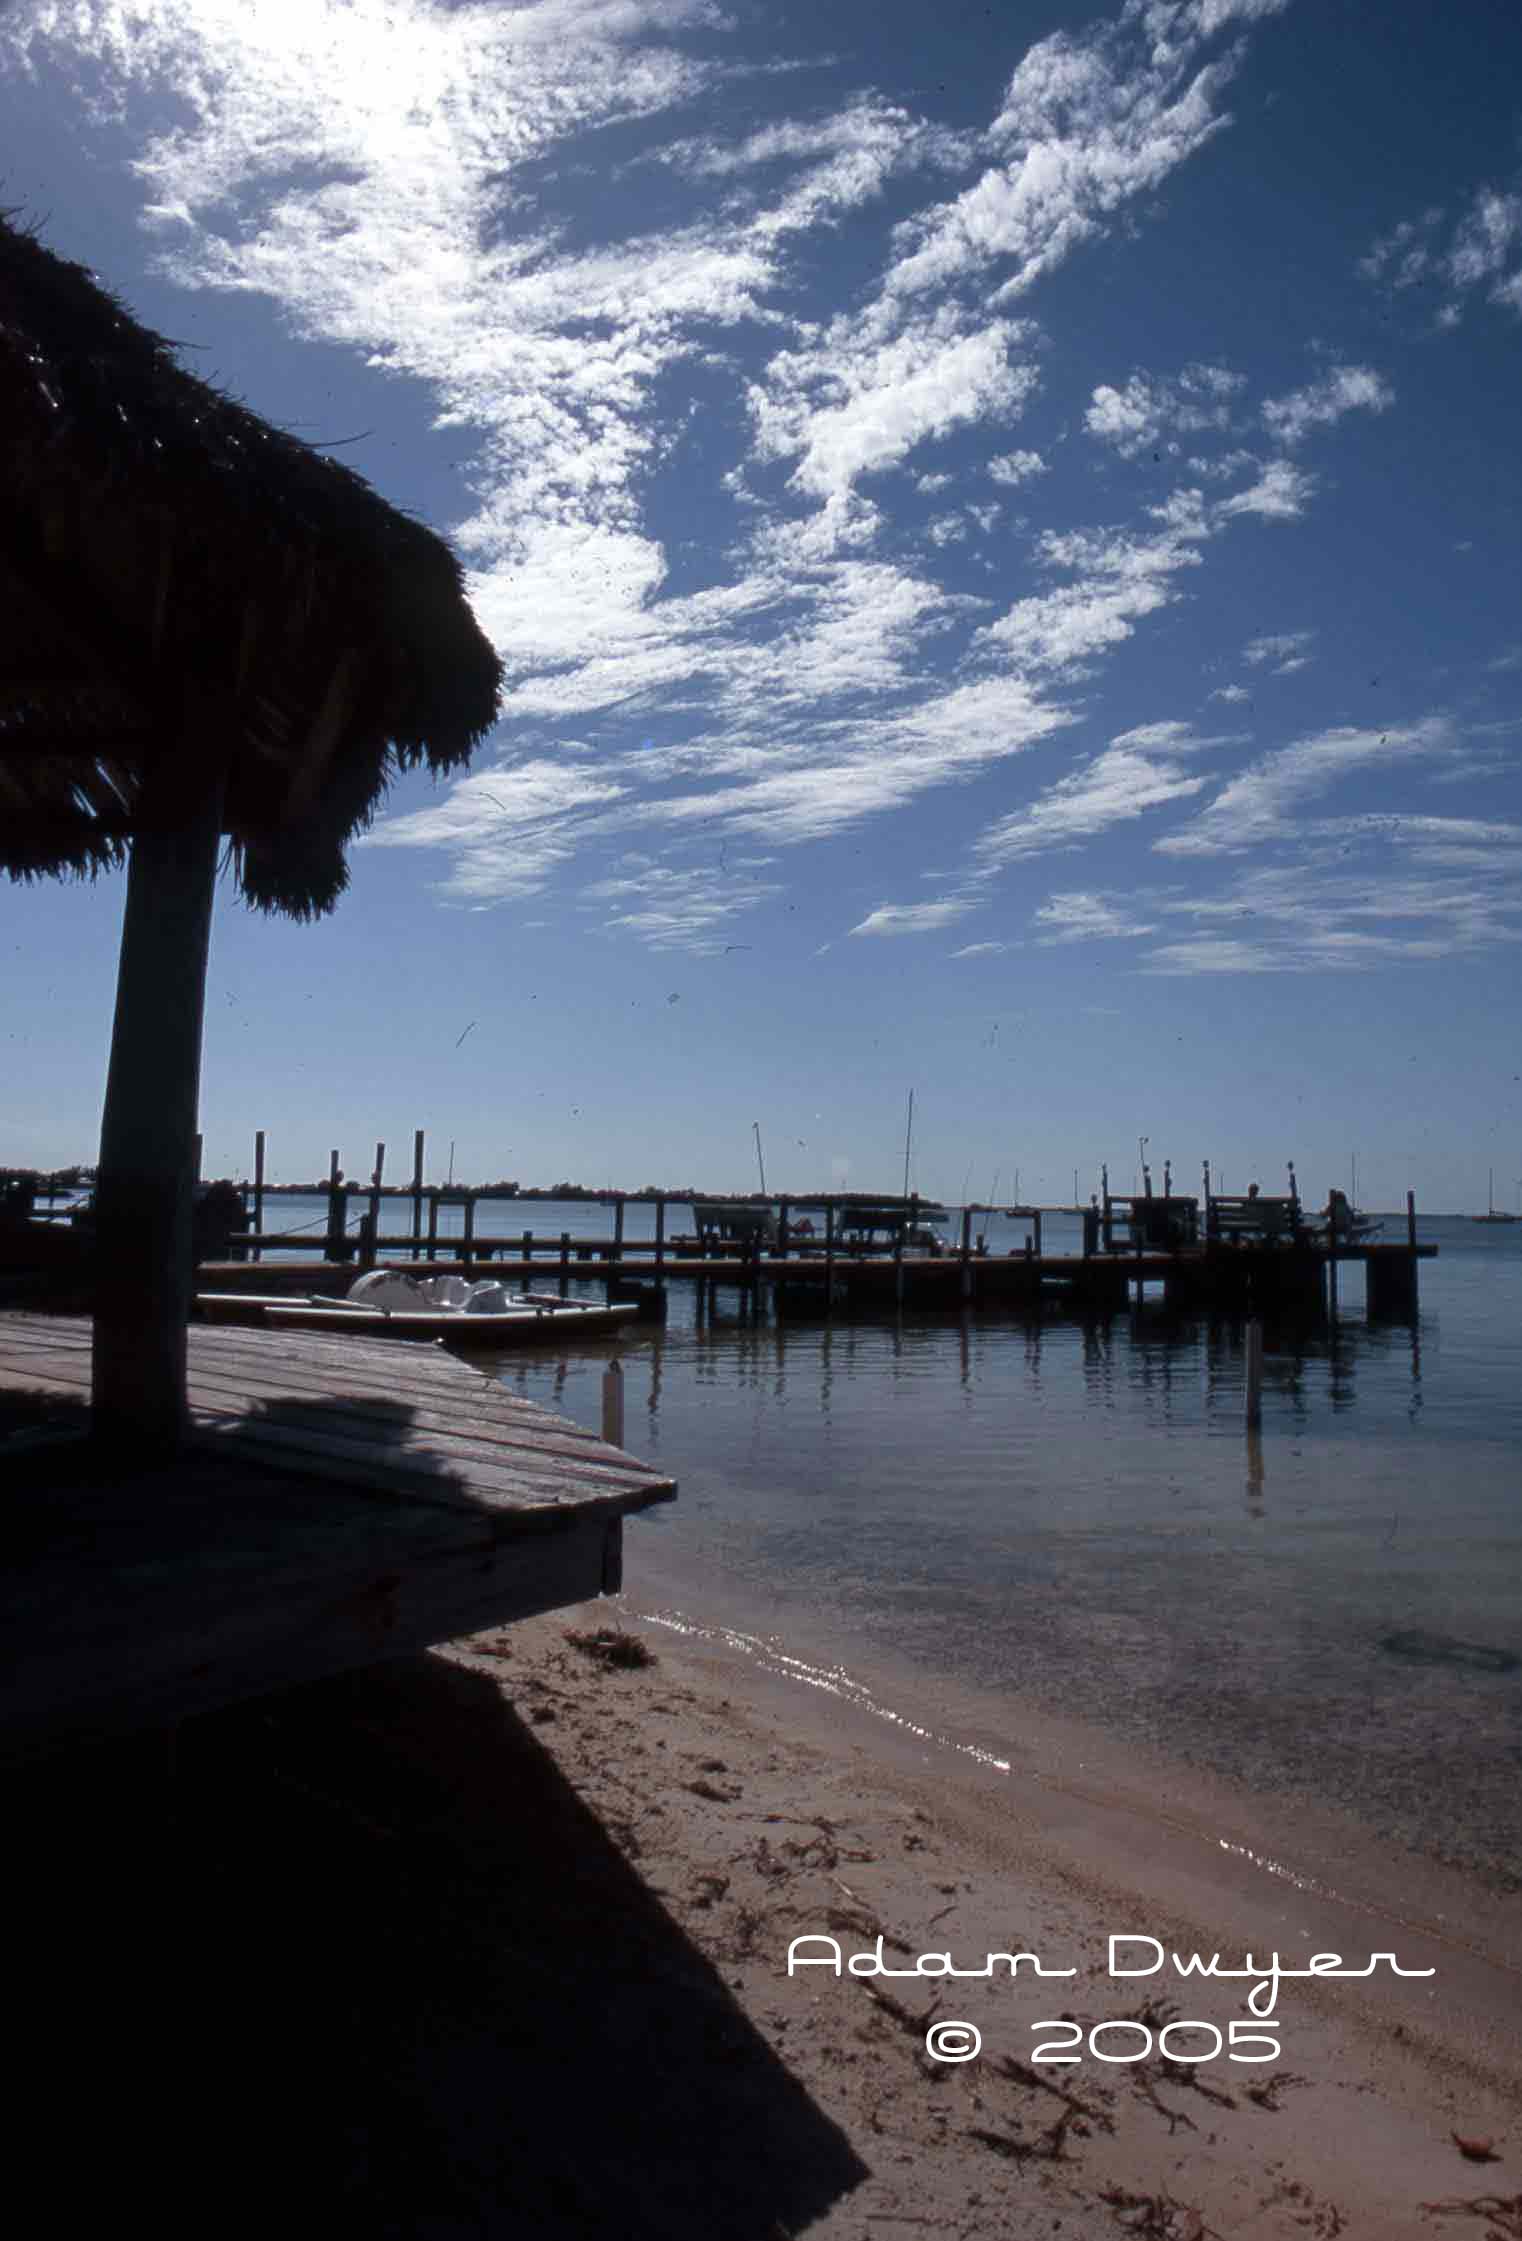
<point x="340" y="1502"/>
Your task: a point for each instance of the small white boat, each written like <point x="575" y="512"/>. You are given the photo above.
<point x="388" y="1303"/>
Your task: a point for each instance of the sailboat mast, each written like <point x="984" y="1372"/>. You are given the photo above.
<point x="760" y="1162"/>
<point x="908" y="1142"/>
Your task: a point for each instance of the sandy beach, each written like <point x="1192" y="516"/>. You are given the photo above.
<point x="496" y="1941"/>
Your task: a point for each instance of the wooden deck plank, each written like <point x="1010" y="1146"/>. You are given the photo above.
<point x="330" y="1403"/>
<point x="467" y="1481"/>
<point x="329" y="1510"/>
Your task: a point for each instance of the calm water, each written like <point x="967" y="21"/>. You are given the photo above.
<point x="1074" y="1516"/>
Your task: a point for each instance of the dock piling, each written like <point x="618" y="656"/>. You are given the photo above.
<point x="369" y="1250"/>
<point x="258" y="1208"/>
<point x="1254" y="1362"/>
<point x="613" y="1403"/>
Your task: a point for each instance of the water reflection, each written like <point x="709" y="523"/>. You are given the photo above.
<point x="1076" y="1510"/>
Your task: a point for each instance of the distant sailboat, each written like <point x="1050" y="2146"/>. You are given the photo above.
<point x="1490" y="1214"/>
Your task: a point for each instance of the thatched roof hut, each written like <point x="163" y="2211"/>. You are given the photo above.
<point x="155" y="535"/>
<point x="207" y="629"/>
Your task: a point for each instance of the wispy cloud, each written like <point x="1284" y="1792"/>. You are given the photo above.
<point x="1137" y="772"/>
<point x="391" y="175"/>
<point x="1082" y="917"/>
<point x="1482" y="249"/>
<point x="1257" y="806"/>
<point x="914" y="918"/>
<point x="1362" y="893"/>
<point x="1345" y="389"/>
<point x="1283" y="651"/>
<point x="670" y="907"/>
<point x="981" y="949"/>
<point x="508" y="828"/>
<point x="1120" y="577"/>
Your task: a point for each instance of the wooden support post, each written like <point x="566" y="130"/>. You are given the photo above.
<point x="468" y="1232"/>
<point x="613" y="1404"/>
<point x="1038" y="1233"/>
<point x="526" y="1247"/>
<point x="433" y="1224"/>
<point x="782" y="1229"/>
<point x="148" y="1140"/>
<point x="1331" y="1260"/>
<point x="1254" y="1363"/>
<point x="372" y="1219"/>
<point x="417" y="1191"/>
<point x="1391" y="1278"/>
<point x="1411" y="1220"/>
<point x="196" y="1170"/>
<point x="618" y="1239"/>
<point x="565" y="1262"/>
<point x="660" y="1234"/>
<point x="336" y="1248"/>
<point x="258" y="1187"/>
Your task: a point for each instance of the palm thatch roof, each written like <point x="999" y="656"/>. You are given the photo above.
<point x="177" y="576"/>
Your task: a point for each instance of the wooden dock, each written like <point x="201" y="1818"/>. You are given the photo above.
<point x="1232" y="1276"/>
<point x="339" y="1503"/>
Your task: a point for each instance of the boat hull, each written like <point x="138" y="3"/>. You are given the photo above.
<point x="534" y="1325"/>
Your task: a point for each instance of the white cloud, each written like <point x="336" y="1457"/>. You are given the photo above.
<point x="1089" y="122"/>
<point x="1233" y="693"/>
<point x="844" y="410"/>
<point x="1345" y="389"/>
<point x="1285" y="649"/>
<point x="1136" y="418"/>
<point x="1279" y="494"/>
<point x="1121" y="578"/>
<point x="981" y="949"/>
<point x="914" y="918"/>
<point x="1015" y="467"/>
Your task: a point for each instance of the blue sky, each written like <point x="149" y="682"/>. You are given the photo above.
<point x="1005" y="530"/>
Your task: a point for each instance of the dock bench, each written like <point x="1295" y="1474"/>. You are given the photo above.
<point x="1258" y="1221"/>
